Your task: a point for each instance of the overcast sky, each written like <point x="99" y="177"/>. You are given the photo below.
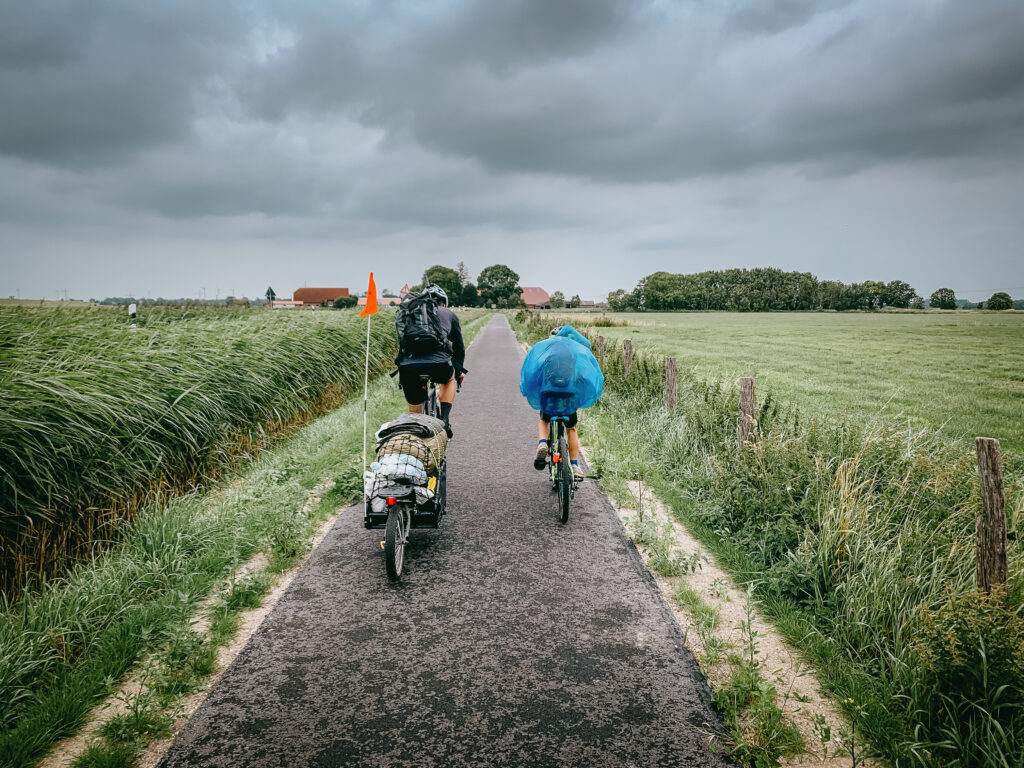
<point x="159" y="148"/>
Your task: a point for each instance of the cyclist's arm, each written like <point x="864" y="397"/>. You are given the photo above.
<point x="458" y="345"/>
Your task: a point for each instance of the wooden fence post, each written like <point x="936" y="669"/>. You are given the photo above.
<point x="670" y="383"/>
<point x="627" y="356"/>
<point x="991" y="522"/>
<point x="748" y="406"/>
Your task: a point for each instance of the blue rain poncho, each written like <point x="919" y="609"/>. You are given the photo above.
<point x="560" y="375"/>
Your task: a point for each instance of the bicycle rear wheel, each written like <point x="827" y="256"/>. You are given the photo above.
<point x="433" y="405"/>
<point x="565" y="479"/>
<point x="553" y="433"/>
<point x="396" y="531"/>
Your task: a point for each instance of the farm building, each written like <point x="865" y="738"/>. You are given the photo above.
<point x="285" y="304"/>
<point x="309" y="295"/>
<point x="536" y="298"/>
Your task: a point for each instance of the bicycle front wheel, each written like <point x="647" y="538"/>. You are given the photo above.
<point x="396" y="530"/>
<point x="565" y="480"/>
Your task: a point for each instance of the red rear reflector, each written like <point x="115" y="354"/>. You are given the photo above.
<point x="391" y="501"/>
<point x="556" y="458"/>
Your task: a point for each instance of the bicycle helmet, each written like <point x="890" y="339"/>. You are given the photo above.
<point x="438" y="293"/>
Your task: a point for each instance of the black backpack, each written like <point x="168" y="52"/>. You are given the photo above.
<point x="419" y="327"/>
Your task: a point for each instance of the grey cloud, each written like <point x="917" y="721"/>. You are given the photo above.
<point x="628" y="93"/>
<point x="510" y="33"/>
<point x="85" y="84"/>
<point x="772" y="16"/>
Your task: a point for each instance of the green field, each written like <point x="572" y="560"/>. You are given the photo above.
<point x="855" y="535"/>
<point x="960" y="372"/>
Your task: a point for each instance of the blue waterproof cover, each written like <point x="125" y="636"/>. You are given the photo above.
<point x="560" y="375"/>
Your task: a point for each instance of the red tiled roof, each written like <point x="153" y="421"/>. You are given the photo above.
<point x="535" y="297"/>
<point x="318" y="295"/>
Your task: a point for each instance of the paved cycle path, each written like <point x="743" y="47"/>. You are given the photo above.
<point x="512" y="640"/>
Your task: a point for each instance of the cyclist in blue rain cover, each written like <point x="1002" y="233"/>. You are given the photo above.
<point x="559" y="377"/>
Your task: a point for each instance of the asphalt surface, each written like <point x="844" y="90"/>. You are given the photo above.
<point x="512" y="640"/>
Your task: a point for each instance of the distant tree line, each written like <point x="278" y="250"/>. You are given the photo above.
<point x="228" y="301"/>
<point x="496" y="285"/>
<point x="558" y="301"/>
<point x="758" y="290"/>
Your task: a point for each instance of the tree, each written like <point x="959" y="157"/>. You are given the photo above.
<point x="874" y="294"/>
<point x="898" y="294"/>
<point x="445" y="277"/>
<point x="346" y="302"/>
<point x="620" y="301"/>
<point x="468" y="296"/>
<point x="944" y="298"/>
<point x="557" y="300"/>
<point x="463" y="272"/>
<point x="575" y="301"/>
<point x="499" y="285"/>
<point x="1000" y="300"/>
<point x="917" y="302"/>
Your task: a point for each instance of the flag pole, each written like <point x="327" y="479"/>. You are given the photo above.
<point x="368" y="312"/>
<point x="366" y="385"/>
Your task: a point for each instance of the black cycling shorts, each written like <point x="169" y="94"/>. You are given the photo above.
<point x="414" y="388"/>
<point x="573" y="420"/>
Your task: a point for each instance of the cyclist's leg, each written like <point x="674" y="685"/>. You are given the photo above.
<point x="574" y="445"/>
<point x="443" y="375"/>
<point x="540" y="459"/>
<point x="413" y="387"/>
<point x="447" y="390"/>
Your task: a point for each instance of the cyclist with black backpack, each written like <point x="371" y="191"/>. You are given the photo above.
<point x="429" y="345"/>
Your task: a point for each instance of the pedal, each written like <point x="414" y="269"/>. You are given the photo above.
<point x="382" y="545"/>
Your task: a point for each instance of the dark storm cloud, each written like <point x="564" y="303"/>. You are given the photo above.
<point x="771" y="16"/>
<point x="440" y="114"/>
<point x="84" y="83"/>
<point x="634" y="93"/>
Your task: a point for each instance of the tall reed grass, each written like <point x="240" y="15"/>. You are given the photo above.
<point x="66" y="645"/>
<point x="97" y="419"/>
<point x="859" y="539"/>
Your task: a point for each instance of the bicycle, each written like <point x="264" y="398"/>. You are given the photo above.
<point x="399" y="506"/>
<point x="563" y="481"/>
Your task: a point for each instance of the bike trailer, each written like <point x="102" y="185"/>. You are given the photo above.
<point x="427" y="500"/>
<point x="410" y="469"/>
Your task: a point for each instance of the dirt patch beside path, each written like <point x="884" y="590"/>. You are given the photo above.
<point x="800" y="696"/>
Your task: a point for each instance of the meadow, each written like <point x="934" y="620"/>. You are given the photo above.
<point x="98" y="418"/>
<point x="855" y="534"/>
<point x="959" y="372"/>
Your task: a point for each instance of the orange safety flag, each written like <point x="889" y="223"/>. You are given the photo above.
<point x="371" y="299"/>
